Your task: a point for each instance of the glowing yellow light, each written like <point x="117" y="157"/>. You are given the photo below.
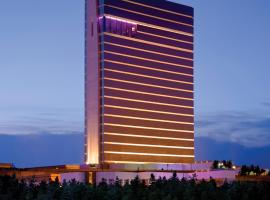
<point x="160" y="9"/>
<point x="148" y="136"/>
<point x="93" y="154"/>
<point x="148" y="42"/>
<point x="148" y="51"/>
<point x="146" y="76"/>
<point x="149" y="154"/>
<point x="147" y="110"/>
<point x="148" y="145"/>
<point x="148" y="119"/>
<point x="155" y="17"/>
<point x="149" y="93"/>
<point x="150" y="85"/>
<point x="149" y="68"/>
<point x="150" y="102"/>
<point x="150" y="128"/>
<point x="119" y="19"/>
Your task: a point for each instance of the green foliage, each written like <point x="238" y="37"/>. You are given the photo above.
<point x="251" y="170"/>
<point x="215" y="164"/>
<point x="225" y="164"/>
<point x="159" y="189"/>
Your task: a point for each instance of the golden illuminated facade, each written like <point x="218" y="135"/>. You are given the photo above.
<point x="139" y="87"/>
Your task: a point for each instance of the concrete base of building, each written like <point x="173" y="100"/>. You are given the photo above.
<point x="121" y="172"/>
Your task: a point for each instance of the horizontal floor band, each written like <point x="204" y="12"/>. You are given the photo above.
<point x="151" y="25"/>
<point x="147" y="76"/>
<point x="147" y="119"/>
<point x="149" y="68"/>
<point x="148" y="85"/>
<point x="150" y="128"/>
<point x="147" y="145"/>
<point x="147" y="59"/>
<point x="146" y="110"/>
<point x="148" y="51"/>
<point x="151" y="16"/>
<point x="147" y="136"/>
<point x="148" y="93"/>
<point x="160" y="9"/>
<point x="148" y="42"/>
<point x="164" y="37"/>
<point x="149" y="154"/>
<point x="133" y="162"/>
<point x="149" y="102"/>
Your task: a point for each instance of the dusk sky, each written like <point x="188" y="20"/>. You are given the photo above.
<point x="42" y="80"/>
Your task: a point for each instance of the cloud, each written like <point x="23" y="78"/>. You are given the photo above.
<point x="266" y="104"/>
<point x="246" y="129"/>
<point x="36" y="121"/>
<point x="42" y="149"/>
<point x="210" y="149"/>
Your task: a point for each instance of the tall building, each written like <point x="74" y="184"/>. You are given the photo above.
<point x="139" y="87"/>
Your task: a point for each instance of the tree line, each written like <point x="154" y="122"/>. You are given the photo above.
<point x="253" y="170"/>
<point x="225" y="164"/>
<point x="136" y="189"/>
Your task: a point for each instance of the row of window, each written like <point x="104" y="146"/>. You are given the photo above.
<point x="117" y="26"/>
<point x="123" y="182"/>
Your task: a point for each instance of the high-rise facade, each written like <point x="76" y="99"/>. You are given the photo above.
<point x="139" y="87"/>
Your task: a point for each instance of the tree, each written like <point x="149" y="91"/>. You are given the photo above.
<point x="257" y="170"/>
<point x="152" y="178"/>
<point x="244" y="170"/>
<point x="252" y="168"/>
<point x="262" y="171"/>
<point x="174" y="176"/>
<point x="162" y="188"/>
<point x="215" y="164"/>
<point x="229" y="164"/>
<point x="224" y="162"/>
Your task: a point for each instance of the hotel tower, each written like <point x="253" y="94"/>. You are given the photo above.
<point x="139" y="87"/>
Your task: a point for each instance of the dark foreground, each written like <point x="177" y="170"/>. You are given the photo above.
<point x="160" y="189"/>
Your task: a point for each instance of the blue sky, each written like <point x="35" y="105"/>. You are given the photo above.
<point x="41" y="73"/>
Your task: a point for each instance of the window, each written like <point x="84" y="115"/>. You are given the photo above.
<point x="118" y="26"/>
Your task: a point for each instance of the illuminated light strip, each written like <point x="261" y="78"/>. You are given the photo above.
<point x="146" y="15"/>
<point x="160" y="9"/>
<point x="164" y="37"/>
<point x="150" y="102"/>
<point x="146" y="110"/>
<point x="154" y="26"/>
<point x="148" y="42"/>
<point x="149" y="154"/>
<point x="147" y="145"/>
<point x="147" y="136"/>
<point x="147" y="59"/>
<point x="150" y="85"/>
<point x="148" y="93"/>
<point x="149" y="128"/>
<point x="149" y="68"/>
<point x="118" y="19"/>
<point x="154" y="52"/>
<point x="134" y="162"/>
<point x="147" y="76"/>
<point x="148" y="119"/>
